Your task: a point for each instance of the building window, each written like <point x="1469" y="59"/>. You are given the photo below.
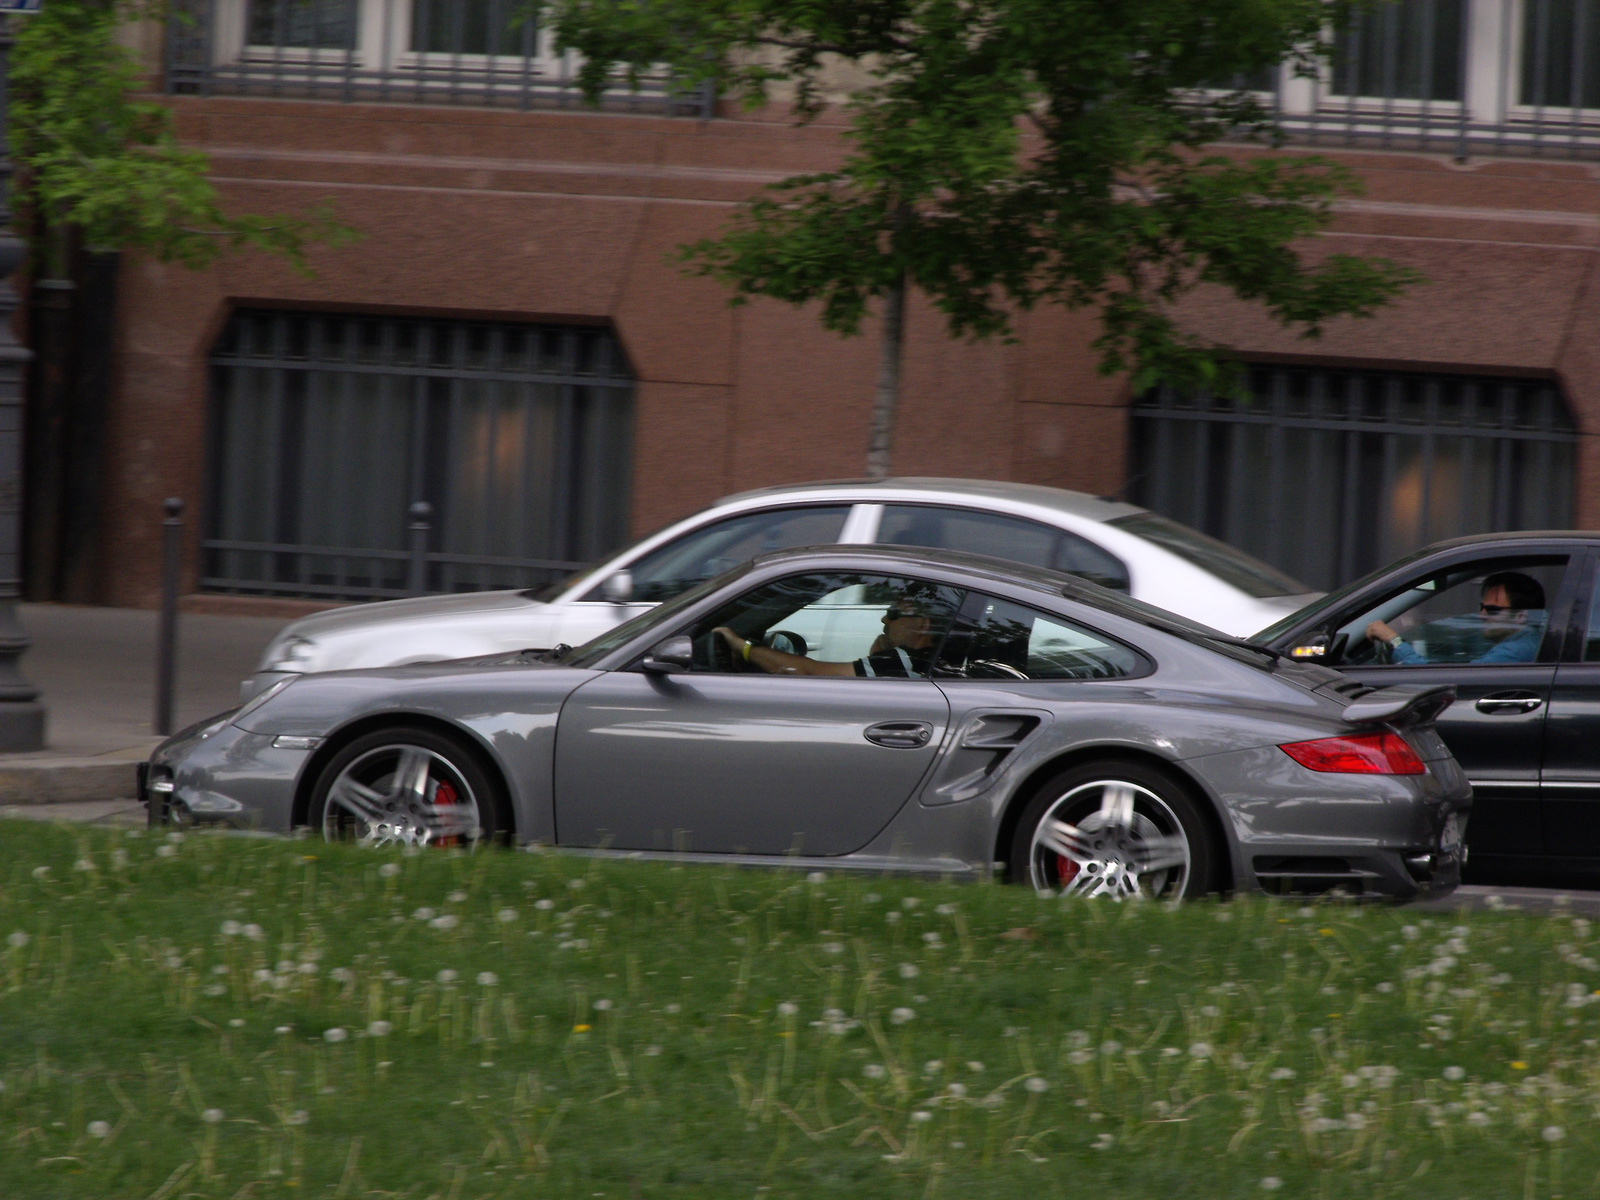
<point x="1404" y="50"/>
<point x="1560" y="54"/>
<point x="325" y="429"/>
<point x="303" y="24"/>
<point x="1327" y="474"/>
<point x="470" y="27"/>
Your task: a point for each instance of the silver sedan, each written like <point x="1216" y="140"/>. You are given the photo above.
<point x="870" y="708"/>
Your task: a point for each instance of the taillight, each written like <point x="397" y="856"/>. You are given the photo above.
<point x="1361" y="754"/>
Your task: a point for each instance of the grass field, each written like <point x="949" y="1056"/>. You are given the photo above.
<point x="252" y="1018"/>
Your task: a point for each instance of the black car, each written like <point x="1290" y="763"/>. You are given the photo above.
<point x="1513" y="621"/>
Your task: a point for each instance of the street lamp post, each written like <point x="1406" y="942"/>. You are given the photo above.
<point x="21" y="714"/>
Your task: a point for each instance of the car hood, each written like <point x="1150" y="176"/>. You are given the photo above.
<point x="420" y="629"/>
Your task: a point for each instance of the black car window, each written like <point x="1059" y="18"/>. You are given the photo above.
<point x="1591" y="643"/>
<point x="996" y="639"/>
<point x="882" y="626"/>
<point x="1489" y="612"/>
<point x="712" y="549"/>
<point x="1012" y="538"/>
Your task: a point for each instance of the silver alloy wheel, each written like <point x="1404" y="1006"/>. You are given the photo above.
<point x="404" y="795"/>
<point x="1133" y="844"/>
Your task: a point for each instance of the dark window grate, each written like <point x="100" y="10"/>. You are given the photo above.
<point x="485" y="53"/>
<point x="1327" y="474"/>
<point x="326" y="428"/>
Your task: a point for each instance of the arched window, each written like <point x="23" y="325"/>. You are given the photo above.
<point x="326" y="428"/>
<point x="1329" y="473"/>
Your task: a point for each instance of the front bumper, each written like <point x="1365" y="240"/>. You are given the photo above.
<point x="211" y="774"/>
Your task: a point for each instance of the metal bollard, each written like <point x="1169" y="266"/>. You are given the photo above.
<point x="420" y="512"/>
<point x="167" y="641"/>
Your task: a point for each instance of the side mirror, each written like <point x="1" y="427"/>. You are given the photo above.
<point x="671" y="656"/>
<point x="618" y="586"/>
<point x="1313" y="649"/>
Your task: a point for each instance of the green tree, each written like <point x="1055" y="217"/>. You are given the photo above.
<point x="1004" y="153"/>
<point x="96" y="162"/>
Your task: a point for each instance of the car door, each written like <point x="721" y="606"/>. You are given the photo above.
<point x="1569" y="779"/>
<point x="1496" y="726"/>
<point x="730" y="760"/>
<point x="679" y="564"/>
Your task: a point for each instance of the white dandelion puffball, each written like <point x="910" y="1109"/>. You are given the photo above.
<point x="602" y="1006"/>
<point x="921" y="1116"/>
<point x="901" y="1015"/>
<point x="946" y="910"/>
<point x="892" y="916"/>
<point x="447" y="921"/>
<point x="873" y="1071"/>
<point x="389" y="870"/>
<point x="18" y="940"/>
<point x="817" y="877"/>
<point x="232" y="929"/>
<point x="166" y="851"/>
<point x="1455" y="1074"/>
<point x="833" y="947"/>
<point x="506" y="915"/>
<point x="446" y="976"/>
<point x="423" y="914"/>
<point x="1036" y="1085"/>
<point x="99" y="1129"/>
<point x="933" y="1066"/>
<point x="575" y="885"/>
<point x="334" y="1036"/>
<point x="787" y="1008"/>
<point x="40" y="872"/>
<point x="957" y="1090"/>
<point x="975" y="1067"/>
<point x="1553" y="1133"/>
<point x="488" y="979"/>
<point x="544" y="905"/>
<point x="909" y="970"/>
<point x="298" y="1117"/>
<point x="1200" y="1050"/>
<point x="379" y="1029"/>
<point x="254" y="932"/>
<point x="457" y="897"/>
<point x="212" y="1116"/>
<point x="1271" y="1183"/>
<point x="910" y="902"/>
<point x="282" y="1029"/>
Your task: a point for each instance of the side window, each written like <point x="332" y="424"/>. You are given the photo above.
<point x="1013" y="538"/>
<point x="1591" y="642"/>
<point x="830" y="623"/>
<point x="996" y="639"/>
<point x="1487" y="612"/>
<point x="713" y="549"/>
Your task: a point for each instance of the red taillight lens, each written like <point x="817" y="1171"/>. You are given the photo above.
<point x="1363" y="754"/>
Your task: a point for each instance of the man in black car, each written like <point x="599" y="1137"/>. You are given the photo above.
<point x="904" y="650"/>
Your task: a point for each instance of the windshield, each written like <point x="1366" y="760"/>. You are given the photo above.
<point x="592" y="652"/>
<point x="1250" y="575"/>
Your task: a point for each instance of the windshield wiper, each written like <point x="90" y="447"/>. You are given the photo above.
<point x="556" y="653"/>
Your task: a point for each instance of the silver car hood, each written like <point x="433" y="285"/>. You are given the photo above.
<point x="419" y="629"/>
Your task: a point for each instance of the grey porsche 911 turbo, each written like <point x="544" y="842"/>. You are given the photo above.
<point x="875" y="709"/>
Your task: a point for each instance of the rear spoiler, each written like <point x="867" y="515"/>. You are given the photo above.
<point x="1405" y="704"/>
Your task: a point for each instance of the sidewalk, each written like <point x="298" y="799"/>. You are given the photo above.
<point x="95" y="670"/>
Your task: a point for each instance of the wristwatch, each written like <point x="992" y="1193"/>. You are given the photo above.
<point x="1394" y="642"/>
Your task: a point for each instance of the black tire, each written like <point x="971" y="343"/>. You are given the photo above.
<point x="392" y="814"/>
<point x="1079" y="796"/>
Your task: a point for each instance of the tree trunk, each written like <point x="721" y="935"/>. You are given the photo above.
<point x="887" y="399"/>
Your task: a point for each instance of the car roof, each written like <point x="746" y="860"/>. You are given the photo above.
<point x="1515" y="535"/>
<point x="917" y="487"/>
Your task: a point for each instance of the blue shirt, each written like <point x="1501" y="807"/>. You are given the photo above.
<point x="1520" y="647"/>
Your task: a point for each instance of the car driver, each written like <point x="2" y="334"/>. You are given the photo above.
<point x="1507" y="601"/>
<point x="904" y="650"/>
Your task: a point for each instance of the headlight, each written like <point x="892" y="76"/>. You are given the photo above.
<point x="258" y="701"/>
<point x="293" y="653"/>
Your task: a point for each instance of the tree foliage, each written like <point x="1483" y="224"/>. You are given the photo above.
<point x="1004" y="153"/>
<point x="92" y="156"/>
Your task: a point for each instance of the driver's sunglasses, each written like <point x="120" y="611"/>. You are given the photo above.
<point x="1495" y="610"/>
<point x="897" y="614"/>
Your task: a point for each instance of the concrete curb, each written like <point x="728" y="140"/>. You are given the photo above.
<point x="65" y="780"/>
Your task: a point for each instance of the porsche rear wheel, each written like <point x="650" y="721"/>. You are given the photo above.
<point x="409" y="787"/>
<point x="1114" y="829"/>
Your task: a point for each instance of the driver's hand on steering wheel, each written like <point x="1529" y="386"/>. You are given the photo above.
<point x="1380" y="632"/>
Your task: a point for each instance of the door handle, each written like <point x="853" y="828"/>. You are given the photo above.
<point x="899" y="735"/>
<point x="1509" y="702"/>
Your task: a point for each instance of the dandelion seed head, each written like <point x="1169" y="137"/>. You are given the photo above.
<point x="873" y="1071"/>
<point x="236" y="1023"/>
<point x="544" y="905"/>
<point x="282" y="1029"/>
<point x="817" y="877"/>
<point x="1552" y="1133"/>
<point x="922" y="1116"/>
<point x="457" y="897"/>
<point x="99" y="1129"/>
<point x="334" y="1036"/>
<point x="298" y="1117"/>
<point x="910" y="902"/>
<point x="1281" y="1073"/>
<point x="602" y="1005"/>
<point x="909" y="970"/>
<point x="957" y="1090"/>
<point x="379" y="1029"/>
<point x="833" y="947"/>
<point x="1385" y="987"/>
<point x="1478" y="1117"/>
<point x="673" y="1010"/>
<point x="1455" y="1074"/>
<point x="933" y="1066"/>
<point x="254" y="932"/>
<point x="975" y="1067"/>
<point x="18" y="940"/>
<point x="166" y="851"/>
<point x="506" y="915"/>
<point x="946" y="910"/>
<point x="1271" y="1183"/>
<point x="892" y="917"/>
<point x="787" y="1008"/>
<point x="488" y="979"/>
<point x="1200" y="1050"/>
<point x="212" y="1116"/>
<point x="389" y="870"/>
<point x="1036" y="1084"/>
<point x="423" y="914"/>
<point x="446" y="976"/>
<point x="575" y="885"/>
<point x="900" y="1016"/>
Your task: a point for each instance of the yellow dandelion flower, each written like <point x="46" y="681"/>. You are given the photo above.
<point x="580" y="1029"/>
<point x="1519" y="1066"/>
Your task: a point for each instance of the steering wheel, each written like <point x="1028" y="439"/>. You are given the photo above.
<point x="1382" y="653"/>
<point x="721" y="656"/>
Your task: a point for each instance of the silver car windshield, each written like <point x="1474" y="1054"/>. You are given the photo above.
<point x="1250" y="575"/>
<point x="593" y="651"/>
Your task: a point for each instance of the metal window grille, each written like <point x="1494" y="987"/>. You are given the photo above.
<point x="475" y="52"/>
<point x="1328" y="474"/>
<point x="326" y="428"/>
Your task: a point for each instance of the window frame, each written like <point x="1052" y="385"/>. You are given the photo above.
<point x="1147" y="664"/>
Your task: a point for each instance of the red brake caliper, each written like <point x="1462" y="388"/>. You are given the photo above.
<point x="1066" y="870"/>
<point x="444" y="794"/>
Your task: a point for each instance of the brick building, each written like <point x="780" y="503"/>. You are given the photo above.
<point x="510" y="342"/>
